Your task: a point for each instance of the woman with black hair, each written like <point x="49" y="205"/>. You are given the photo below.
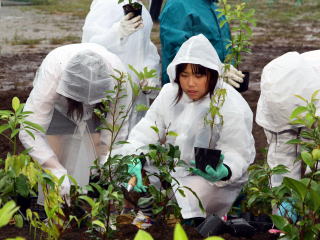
<point x="181" y="107"/>
<point x="71" y="81"/>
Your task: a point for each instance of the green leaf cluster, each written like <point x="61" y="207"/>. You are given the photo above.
<point x="241" y="22"/>
<point x="214" y="117"/>
<point x="143" y="76"/>
<point x="15" y="121"/>
<point x="165" y="157"/>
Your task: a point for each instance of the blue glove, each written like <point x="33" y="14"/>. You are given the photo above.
<point x="212" y="174"/>
<point x="134" y="169"/>
<point x="287" y="210"/>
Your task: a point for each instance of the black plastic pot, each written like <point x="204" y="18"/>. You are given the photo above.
<point x="206" y="156"/>
<point x="213" y="225"/>
<point x="135" y="8"/>
<point x="245" y="84"/>
<point x="261" y="222"/>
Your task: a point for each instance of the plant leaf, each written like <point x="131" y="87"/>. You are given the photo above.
<point x="6" y="212"/>
<point x="15" y="103"/>
<point x="297" y="111"/>
<point x="141" y="108"/>
<point x="179" y="233"/>
<point x="142" y="235"/>
<point x="99" y="223"/>
<point x="296" y="186"/>
<point x="172" y="133"/>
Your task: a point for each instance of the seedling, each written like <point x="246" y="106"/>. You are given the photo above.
<point x="241" y="22"/>
<point x="205" y="152"/>
<point x="166" y="157"/>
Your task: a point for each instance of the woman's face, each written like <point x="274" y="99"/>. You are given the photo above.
<point x="193" y="84"/>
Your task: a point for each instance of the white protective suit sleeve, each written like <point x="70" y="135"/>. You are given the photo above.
<point x="41" y="103"/>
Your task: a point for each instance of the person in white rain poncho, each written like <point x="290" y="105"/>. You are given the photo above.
<point x="288" y="75"/>
<point x="69" y="84"/>
<point x="128" y="38"/>
<point x="181" y="105"/>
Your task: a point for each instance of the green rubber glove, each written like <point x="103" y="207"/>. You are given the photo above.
<point x="134" y="169"/>
<point x="212" y="174"/>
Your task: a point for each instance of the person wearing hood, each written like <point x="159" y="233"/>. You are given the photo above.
<point x="288" y="75"/>
<point x="69" y="84"/>
<point x="181" y="107"/>
<point x="129" y="38"/>
<point x="182" y="19"/>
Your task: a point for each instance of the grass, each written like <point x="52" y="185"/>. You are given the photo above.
<point x="284" y="11"/>
<point x="21" y="40"/>
<point x="78" y="8"/>
<point x="283" y="19"/>
<point x="66" y="39"/>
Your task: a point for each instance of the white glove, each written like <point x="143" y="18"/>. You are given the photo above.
<point x="128" y="26"/>
<point x="65" y="185"/>
<point x="232" y="76"/>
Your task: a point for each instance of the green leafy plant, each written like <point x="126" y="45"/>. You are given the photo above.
<point x="15" y="121"/>
<point x="143" y="77"/>
<point x="213" y="117"/>
<point x="57" y="209"/>
<point x="241" y="22"/>
<point x="18" y="179"/>
<point x="114" y="170"/>
<point x="258" y="190"/>
<point x="18" y="176"/>
<point x="7" y="212"/>
<point x="304" y="193"/>
<point x="166" y="157"/>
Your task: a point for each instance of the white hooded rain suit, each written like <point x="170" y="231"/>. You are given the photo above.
<point x="186" y="119"/>
<point x="81" y="72"/>
<point x="102" y="26"/>
<point x="288" y="75"/>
